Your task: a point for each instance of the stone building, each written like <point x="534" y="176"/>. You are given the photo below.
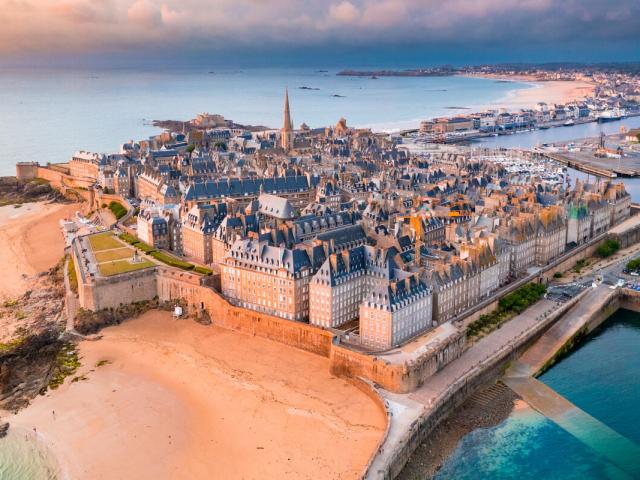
<point x="198" y="227"/>
<point x="231" y="228"/>
<point x="150" y="185"/>
<point x="394" y="313"/>
<point x="286" y="134"/>
<point x="86" y="165"/>
<point x="551" y="235"/>
<point x="268" y="279"/>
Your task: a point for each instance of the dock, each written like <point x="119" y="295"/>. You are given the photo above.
<point x="585" y="167"/>
<point x="520" y="377"/>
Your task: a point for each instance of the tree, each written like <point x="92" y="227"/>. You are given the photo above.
<point x="608" y="248"/>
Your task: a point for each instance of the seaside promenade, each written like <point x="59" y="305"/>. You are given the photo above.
<point x="411" y="412"/>
<point x="520" y="377"/>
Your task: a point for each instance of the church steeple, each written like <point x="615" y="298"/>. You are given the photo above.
<point x="286" y="134"/>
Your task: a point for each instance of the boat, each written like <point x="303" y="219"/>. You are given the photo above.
<point x="569" y="123"/>
<point x="611" y="115"/>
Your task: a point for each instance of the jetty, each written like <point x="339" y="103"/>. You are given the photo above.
<point x="594" y="308"/>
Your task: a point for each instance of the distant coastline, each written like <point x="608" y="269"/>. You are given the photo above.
<point x="416" y="72"/>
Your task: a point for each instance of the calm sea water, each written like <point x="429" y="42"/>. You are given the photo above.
<point x="602" y="377"/>
<point x="47" y="115"/>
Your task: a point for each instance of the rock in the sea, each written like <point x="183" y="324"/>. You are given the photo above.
<point x="4" y="428"/>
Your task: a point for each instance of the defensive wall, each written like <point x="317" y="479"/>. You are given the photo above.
<point x="170" y="284"/>
<point x="458" y="392"/>
<point x="59" y="176"/>
<point x="397" y="377"/>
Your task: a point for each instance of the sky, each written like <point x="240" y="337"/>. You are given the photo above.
<point x="350" y="32"/>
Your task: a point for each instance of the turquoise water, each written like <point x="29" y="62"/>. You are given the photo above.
<point x="46" y="115"/>
<point x="23" y="457"/>
<point x="602" y="377"/>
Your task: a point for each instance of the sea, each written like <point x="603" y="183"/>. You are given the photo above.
<point x="48" y="114"/>
<point x="602" y="377"/>
<point x="23" y="456"/>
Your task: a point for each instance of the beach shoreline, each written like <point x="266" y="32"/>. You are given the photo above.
<point x="548" y="91"/>
<point x="33" y="242"/>
<point x="190" y="399"/>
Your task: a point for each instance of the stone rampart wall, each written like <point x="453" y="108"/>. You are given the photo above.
<point x="396" y="377"/>
<point x="186" y="286"/>
<point x="59" y="179"/>
<point x="124" y="289"/>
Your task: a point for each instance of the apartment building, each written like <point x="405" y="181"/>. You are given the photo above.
<point x="394" y="313"/>
<point x="268" y="279"/>
<point x="198" y="227"/>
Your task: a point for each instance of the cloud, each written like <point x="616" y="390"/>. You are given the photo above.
<point x="344" y="12"/>
<point x="144" y="13"/>
<point x="90" y="26"/>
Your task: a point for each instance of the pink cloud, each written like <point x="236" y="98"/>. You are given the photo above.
<point x="144" y="13"/>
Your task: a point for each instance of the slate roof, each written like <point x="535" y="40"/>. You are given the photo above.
<point x="238" y="187"/>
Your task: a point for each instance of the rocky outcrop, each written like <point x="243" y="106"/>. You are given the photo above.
<point x="14" y="191"/>
<point x="88" y="322"/>
<point x="27" y="368"/>
<point x="30" y="328"/>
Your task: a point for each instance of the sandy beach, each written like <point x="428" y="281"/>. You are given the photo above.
<point x="32" y="242"/>
<point x="551" y="92"/>
<point x="178" y="400"/>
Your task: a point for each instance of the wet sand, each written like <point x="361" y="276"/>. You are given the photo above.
<point x="182" y="400"/>
<point x="32" y="243"/>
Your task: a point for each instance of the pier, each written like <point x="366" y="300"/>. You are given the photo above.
<point x="585" y="167"/>
<point x="594" y="308"/>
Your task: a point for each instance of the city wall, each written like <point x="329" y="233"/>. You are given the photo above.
<point x="457" y="393"/>
<point x="110" y="292"/>
<point x="173" y="284"/>
<point x="401" y="377"/>
<point x="59" y="178"/>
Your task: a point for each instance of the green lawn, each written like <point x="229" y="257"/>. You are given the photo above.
<point x="103" y="241"/>
<point x="122" y="266"/>
<point x="117" y="254"/>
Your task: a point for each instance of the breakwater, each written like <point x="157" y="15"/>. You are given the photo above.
<point x="599" y="376"/>
<point x="598" y="305"/>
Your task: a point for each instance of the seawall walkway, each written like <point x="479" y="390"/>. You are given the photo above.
<point x="592" y="310"/>
<point x="414" y="414"/>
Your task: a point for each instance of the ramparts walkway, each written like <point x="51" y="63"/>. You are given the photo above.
<point x="410" y="412"/>
<point x="587" y="314"/>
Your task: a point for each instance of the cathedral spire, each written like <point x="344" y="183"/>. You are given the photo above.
<point x="286" y="133"/>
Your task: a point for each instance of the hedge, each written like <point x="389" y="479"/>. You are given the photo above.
<point x="508" y="306"/>
<point x="144" y="247"/>
<point x="164" y="257"/>
<point x="130" y="239"/>
<point x="203" y="270"/>
<point x="118" y="210"/>
<point x="169" y="260"/>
